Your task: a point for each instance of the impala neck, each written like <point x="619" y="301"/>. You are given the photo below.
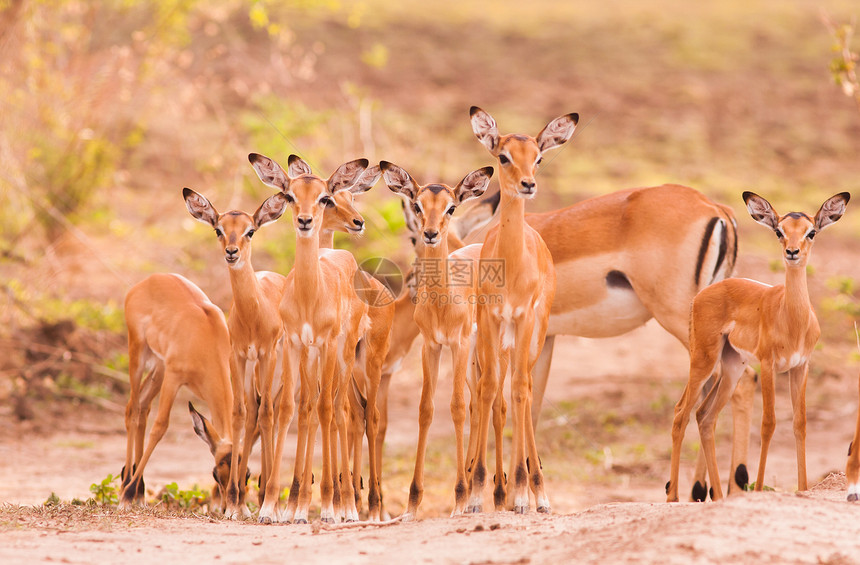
<point x="327" y="239"/>
<point x="246" y="290"/>
<point x="797" y="305"/>
<point x="307" y="266"/>
<point x="511" y="225"/>
<point x="439" y="254"/>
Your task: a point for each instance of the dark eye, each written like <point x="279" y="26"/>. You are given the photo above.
<point x="451" y="210"/>
<point x="218" y="233"/>
<point x="250" y="234"/>
<point x="289" y="198"/>
<point x="412" y="239"/>
<point x="779" y="233"/>
<point x="811" y="235"/>
<point x="416" y="208"/>
<point x="503" y="160"/>
<point x="326" y="201"/>
<point x="538" y="161"/>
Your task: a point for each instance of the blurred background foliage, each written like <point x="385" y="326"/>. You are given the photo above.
<point x="110" y="107"/>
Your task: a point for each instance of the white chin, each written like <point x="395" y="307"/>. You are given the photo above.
<point x="527" y="195"/>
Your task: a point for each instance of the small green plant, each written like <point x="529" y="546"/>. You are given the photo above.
<point x="185" y="499"/>
<point x="751" y="487"/>
<point x="52" y="500"/>
<point x="106" y="492"/>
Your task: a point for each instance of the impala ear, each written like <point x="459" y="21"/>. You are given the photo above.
<point x="203" y="429"/>
<point x="831" y="210"/>
<point x="347" y="175"/>
<point x="557" y="132"/>
<point x="485" y="129"/>
<point x="761" y="210"/>
<point x="270" y="210"/>
<point x="398" y="180"/>
<point x="199" y="207"/>
<point x="474" y="184"/>
<point x="368" y="178"/>
<point x="269" y="171"/>
<point x="296" y="167"/>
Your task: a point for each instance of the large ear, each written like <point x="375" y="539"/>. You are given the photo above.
<point x="270" y="210"/>
<point x="204" y="430"/>
<point x="346" y="175"/>
<point x="761" y="210"/>
<point x="296" y="167"/>
<point x="474" y="184"/>
<point x="398" y="180"/>
<point x="269" y="171"/>
<point x="485" y="129"/>
<point x="199" y="207"/>
<point x="368" y="178"/>
<point x="474" y="215"/>
<point x="557" y="132"/>
<point x="831" y="210"/>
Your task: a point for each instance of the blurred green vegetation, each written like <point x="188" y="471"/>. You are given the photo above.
<point x="109" y="107"/>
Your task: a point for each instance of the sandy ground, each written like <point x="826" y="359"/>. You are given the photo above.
<point x="620" y="521"/>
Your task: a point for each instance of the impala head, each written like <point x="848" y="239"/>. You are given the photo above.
<point x="235" y="228"/>
<point x="796" y="230"/>
<point x="343" y="216"/>
<point x="307" y="194"/>
<point x="434" y="204"/>
<point x="520" y="155"/>
<point x="221" y="449"/>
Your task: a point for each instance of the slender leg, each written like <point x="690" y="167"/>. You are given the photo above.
<point x="285" y="412"/>
<point x="460" y="357"/>
<point x="487" y="348"/>
<point x="519" y="400"/>
<point x="430" y="365"/>
<point x="852" y="467"/>
<point x="540" y="374"/>
<point x="797" y="378"/>
<point x="325" y="410"/>
<point x="742" y="404"/>
<point x="768" y="416"/>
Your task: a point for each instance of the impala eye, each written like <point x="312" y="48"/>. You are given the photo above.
<point x="779" y="233"/>
<point x="451" y="210"/>
<point x="250" y="233"/>
<point x="289" y="198"/>
<point x="416" y="208"/>
<point x="538" y="161"/>
<point x="811" y="235"/>
<point x="504" y="160"/>
<point x="219" y="233"/>
<point x="326" y="201"/>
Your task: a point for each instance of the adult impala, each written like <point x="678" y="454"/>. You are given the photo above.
<point x="323" y="319"/>
<point x="738" y="320"/>
<point x="175" y="329"/>
<point x="445" y="307"/>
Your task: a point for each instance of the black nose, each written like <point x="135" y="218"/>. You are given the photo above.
<point x="305" y="223"/>
<point x="430" y="235"/>
<point x="358" y="223"/>
<point x="528" y="184"/>
<point x="792" y="253"/>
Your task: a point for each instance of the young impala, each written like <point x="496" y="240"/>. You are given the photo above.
<point x="323" y="320"/>
<point x="512" y="328"/>
<point x="255" y="333"/>
<point x="737" y="320"/>
<point x="174" y="329"/>
<point x="444" y="309"/>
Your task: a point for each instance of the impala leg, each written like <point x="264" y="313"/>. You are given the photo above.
<point x="293" y="364"/>
<point x="341" y="412"/>
<point x="357" y="427"/>
<point x="382" y="403"/>
<point x="706" y="416"/>
<point x="797" y="379"/>
<point x="267" y="427"/>
<point x="325" y="410"/>
<point x="132" y="409"/>
<point x="768" y="417"/>
<point x="852" y="467"/>
<point x="430" y="365"/>
<point x="500" y="415"/>
<point x="519" y="399"/>
<point x="703" y="358"/>
<point x="159" y="427"/>
<point x="286" y="408"/>
<point x="309" y="397"/>
<point x="742" y="404"/>
<point x="460" y="357"/>
<point x="372" y="419"/>
<point x="151" y="388"/>
<point x="234" y="499"/>
<point x="487" y="348"/>
<point x="540" y="374"/>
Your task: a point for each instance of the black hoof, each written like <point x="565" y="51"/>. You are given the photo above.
<point x="544" y="510"/>
<point x="301" y="521"/>
<point x="853" y="497"/>
<point x="521" y="509"/>
<point x="700" y="492"/>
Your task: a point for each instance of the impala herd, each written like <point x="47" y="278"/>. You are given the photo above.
<point x="493" y="284"/>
